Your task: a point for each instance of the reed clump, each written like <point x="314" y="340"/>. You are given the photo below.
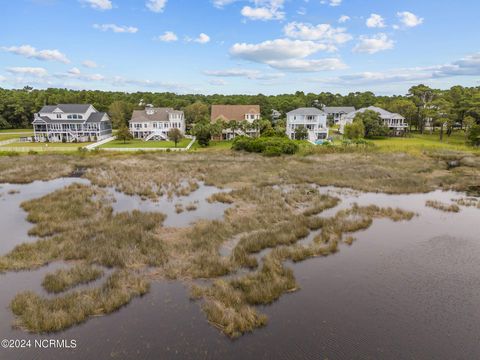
<point x="64" y="279"/>
<point x="442" y="206"/>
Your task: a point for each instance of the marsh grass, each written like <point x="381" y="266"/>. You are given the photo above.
<point x="64" y="279"/>
<point x="442" y="206"/>
<point x="468" y="202"/>
<point x="45" y="315"/>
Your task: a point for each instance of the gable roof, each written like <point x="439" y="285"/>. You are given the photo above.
<point x="338" y="109"/>
<point x="93" y="118"/>
<point x="159" y="114"/>
<point x="384" y="114"/>
<point x="233" y="112"/>
<point x="66" y="108"/>
<point x="306" y="111"/>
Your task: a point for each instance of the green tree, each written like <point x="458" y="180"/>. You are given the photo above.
<point x="203" y="133"/>
<point x="301" y="133"/>
<point x="120" y="112"/>
<point x="124" y="134"/>
<point x="175" y="135"/>
<point x="473" y="135"/>
<point x="421" y="95"/>
<point x="196" y="112"/>
<point x="355" y="130"/>
<point x="373" y="124"/>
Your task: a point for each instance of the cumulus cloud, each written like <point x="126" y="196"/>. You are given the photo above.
<point x="168" y="36"/>
<point x="75" y="73"/>
<point x="99" y="4"/>
<point x="321" y="32"/>
<point x="116" y="28"/>
<point x="374" y="44"/>
<point x="156" y="6"/>
<point x="201" y="39"/>
<point x="260" y="10"/>
<point x="30" y="52"/>
<point x="89" y="64"/>
<point x="246" y="73"/>
<point x="307" y="65"/>
<point x="274" y="50"/>
<point x="343" y="19"/>
<point x="32" y="71"/>
<point x="331" y="2"/>
<point x="409" y="19"/>
<point x="375" y="21"/>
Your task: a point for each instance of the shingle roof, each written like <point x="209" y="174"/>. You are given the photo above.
<point x="384" y="114"/>
<point x="306" y="111"/>
<point x="66" y="108"/>
<point x="233" y="112"/>
<point x="93" y="118"/>
<point x="338" y="109"/>
<point x="159" y="114"/>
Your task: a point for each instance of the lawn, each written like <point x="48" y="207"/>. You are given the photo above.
<point x="6" y="136"/>
<point x="140" y="144"/>
<point x="16" y="131"/>
<point x="37" y="145"/>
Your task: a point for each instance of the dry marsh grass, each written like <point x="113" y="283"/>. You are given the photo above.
<point x="442" y="206"/>
<point x="43" y="315"/>
<point x="64" y="279"/>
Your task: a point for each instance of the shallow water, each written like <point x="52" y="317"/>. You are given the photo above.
<point x="405" y="290"/>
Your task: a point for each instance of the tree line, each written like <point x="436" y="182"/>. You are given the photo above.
<point x="421" y="106"/>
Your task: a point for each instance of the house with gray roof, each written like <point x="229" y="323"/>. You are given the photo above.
<point x="71" y="123"/>
<point x="155" y="123"/>
<point x="336" y="112"/>
<point x="313" y="119"/>
<point x="395" y="122"/>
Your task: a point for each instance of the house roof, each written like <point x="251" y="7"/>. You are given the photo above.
<point x="233" y="112"/>
<point x="93" y="118"/>
<point x="338" y="109"/>
<point x="306" y="111"/>
<point x="159" y="114"/>
<point x="384" y="114"/>
<point x="66" y="108"/>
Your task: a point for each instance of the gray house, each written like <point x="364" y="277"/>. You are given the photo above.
<point x="71" y="123"/>
<point x="336" y="112"/>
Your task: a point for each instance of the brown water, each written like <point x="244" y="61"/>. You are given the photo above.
<point x="406" y="290"/>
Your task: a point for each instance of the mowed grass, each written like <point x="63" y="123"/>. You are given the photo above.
<point x="8" y="136"/>
<point x="4" y="131"/>
<point x="140" y="144"/>
<point x="37" y="145"/>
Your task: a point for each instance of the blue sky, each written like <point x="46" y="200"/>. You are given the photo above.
<point x="239" y="46"/>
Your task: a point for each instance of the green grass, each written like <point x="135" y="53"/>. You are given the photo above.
<point x="37" y="145"/>
<point x="5" y="136"/>
<point x="64" y="279"/>
<point x="215" y="145"/>
<point x="137" y="143"/>
<point x="15" y="131"/>
<point x="417" y="143"/>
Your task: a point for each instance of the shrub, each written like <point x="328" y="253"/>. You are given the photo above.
<point x="271" y="146"/>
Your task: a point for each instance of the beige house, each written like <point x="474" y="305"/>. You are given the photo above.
<point x="155" y="123"/>
<point x="239" y="113"/>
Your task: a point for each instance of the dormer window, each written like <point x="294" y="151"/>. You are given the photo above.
<point x="80" y="117"/>
<point x="59" y="116"/>
<point x="150" y="111"/>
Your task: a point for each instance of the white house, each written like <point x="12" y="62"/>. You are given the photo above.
<point x="313" y="119"/>
<point x="71" y="123"/>
<point x="395" y="122"/>
<point x="155" y="123"/>
<point x="336" y="112"/>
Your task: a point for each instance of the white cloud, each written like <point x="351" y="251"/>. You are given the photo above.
<point x="343" y="19"/>
<point x="222" y="3"/>
<point x="168" y="36"/>
<point x="331" y="2"/>
<point x="374" y="44"/>
<point x="89" y="64"/>
<point x="30" y="52"/>
<point x="246" y="73"/>
<point x="279" y="49"/>
<point x="74" y="71"/>
<point x="261" y="13"/>
<point x="116" y="28"/>
<point x="215" y="82"/>
<point x="306" y="65"/>
<point x="156" y="5"/>
<point x="33" y="71"/>
<point x="321" y="32"/>
<point x="201" y="39"/>
<point x="261" y="10"/>
<point x="375" y="21"/>
<point x="99" y="4"/>
<point x="409" y="19"/>
<point x="2" y="78"/>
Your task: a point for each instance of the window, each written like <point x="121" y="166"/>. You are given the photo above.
<point x="80" y="116"/>
<point x="69" y="116"/>
<point x="59" y="116"/>
<point x="155" y="125"/>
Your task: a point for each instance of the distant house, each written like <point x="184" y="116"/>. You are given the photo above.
<point x="395" y="122"/>
<point x="71" y="123"/>
<point x="336" y="112"/>
<point x="238" y="113"/>
<point x="155" y="123"/>
<point x="313" y="119"/>
<point x="276" y="115"/>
